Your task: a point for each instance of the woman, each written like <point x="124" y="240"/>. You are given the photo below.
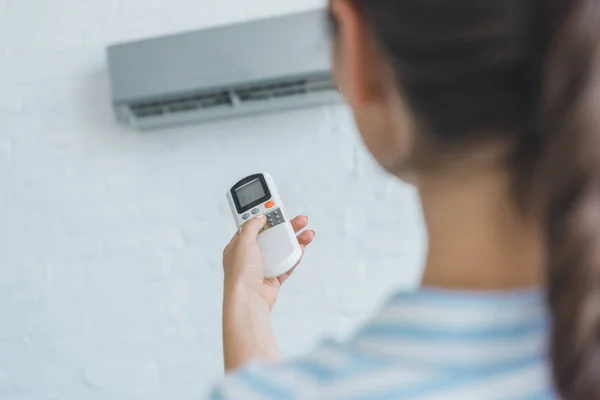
<point x="492" y="110"/>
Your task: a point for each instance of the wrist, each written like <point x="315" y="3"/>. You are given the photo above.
<point x="238" y="295"/>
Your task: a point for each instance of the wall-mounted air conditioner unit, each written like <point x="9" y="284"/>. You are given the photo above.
<point x="223" y="72"/>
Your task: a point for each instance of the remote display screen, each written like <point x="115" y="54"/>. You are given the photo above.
<point x="250" y="192"/>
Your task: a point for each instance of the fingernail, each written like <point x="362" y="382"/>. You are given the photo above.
<point x="314" y="233"/>
<point x="262" y="216"/>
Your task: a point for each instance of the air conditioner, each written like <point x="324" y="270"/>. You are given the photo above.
<point x="247" y="68"/>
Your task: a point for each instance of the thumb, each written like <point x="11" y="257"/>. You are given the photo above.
<point x="252" y="228"/>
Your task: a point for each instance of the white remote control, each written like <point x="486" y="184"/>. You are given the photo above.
<point x="256" y="195"/>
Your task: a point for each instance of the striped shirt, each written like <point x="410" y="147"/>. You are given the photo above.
<point x="426" y="345"/>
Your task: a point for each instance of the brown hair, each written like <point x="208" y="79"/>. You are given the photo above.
<point x="526" y="71"/>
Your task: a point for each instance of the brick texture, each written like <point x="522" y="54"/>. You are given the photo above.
<point x="110" y="240"/>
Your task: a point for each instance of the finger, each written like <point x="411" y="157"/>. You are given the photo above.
<point x="285" y="276"/>
<point x="299" y="223"/>
<point x="251" y="228"/>
<point x="306" y="237"/>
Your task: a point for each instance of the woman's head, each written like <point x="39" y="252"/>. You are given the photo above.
<point x="436" y="83"/>
<point x="430" y="79"/>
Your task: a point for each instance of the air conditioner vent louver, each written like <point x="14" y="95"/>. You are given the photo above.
<point x="296" y="87"/>
<point x="183" y="104"/>
<point x="207" y="102"/>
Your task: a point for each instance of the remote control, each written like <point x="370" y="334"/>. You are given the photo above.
<point x="255" y="195"/>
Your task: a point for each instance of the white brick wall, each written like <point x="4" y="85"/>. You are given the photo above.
<point x="110" y="240"/>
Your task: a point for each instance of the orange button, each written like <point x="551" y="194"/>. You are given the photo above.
<point x="269" y="204"/>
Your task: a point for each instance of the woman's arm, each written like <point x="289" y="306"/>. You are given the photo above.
<point x="247" y="330"/>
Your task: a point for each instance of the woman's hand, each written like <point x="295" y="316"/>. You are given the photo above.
<point x="243" y="266"/>
<point x="249" y="297"/>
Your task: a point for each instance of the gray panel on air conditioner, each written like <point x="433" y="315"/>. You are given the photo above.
<point x="292" y="45"/>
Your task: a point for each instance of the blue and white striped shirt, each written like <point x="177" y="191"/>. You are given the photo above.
<point x="427" y="345"/>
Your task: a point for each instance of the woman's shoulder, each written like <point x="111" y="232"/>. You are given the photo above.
<point x="340" y="371"/>
<point x="419" y="345"/>
<point x="333" y="369"/>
